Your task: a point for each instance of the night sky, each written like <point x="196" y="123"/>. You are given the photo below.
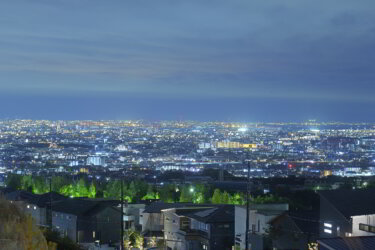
<point x="226" y="60"/>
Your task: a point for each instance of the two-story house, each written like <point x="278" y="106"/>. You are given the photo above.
<point x="345" y="213"/>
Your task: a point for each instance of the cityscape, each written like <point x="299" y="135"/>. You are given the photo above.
<point x="187" y="125"/>
<point x="65" y="173"/>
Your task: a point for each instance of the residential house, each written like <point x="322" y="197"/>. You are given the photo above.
<point x="88" y="220"/>
<point x="199" y="227"/>
<point x="345" y="213"/>
<point x="259" y="217"/>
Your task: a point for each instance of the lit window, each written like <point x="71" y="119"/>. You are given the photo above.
<point x="328" y="225"/>
<point x="328" y="231"/>
<point x="93" y="234"/>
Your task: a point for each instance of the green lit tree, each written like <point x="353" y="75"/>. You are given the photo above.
<point x="225" y="198"/>
<point x="216" y="197"/>
<point x="186" y="194"/>
<point x="92" y="191"/>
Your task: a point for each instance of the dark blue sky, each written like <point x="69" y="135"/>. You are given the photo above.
<point x="224" y="60"/>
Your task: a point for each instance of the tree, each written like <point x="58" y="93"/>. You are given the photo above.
<point x="112" y="190"/>
<point x="225" y="197"/>
<point x="153" y="242"/>
<point x="186" y="194"/>
<point x="151" y="194"/>
<point x="168" y="193"/>
<point x="18" y="231"/>
<point x="133" y="239"/>
<point x="132" y="190"/>
<point x="92" y="191"/>
<point x="81" y="189"/>
<point x="27" y="183"/>
<point x="237" y="199"/>
<point x="198" y="194"/>
<point x="14" y="181"/>
<point x="216" y="197"/>
<point x="40" y="185"/>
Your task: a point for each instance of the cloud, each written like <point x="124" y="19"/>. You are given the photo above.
<point x="245" y="49"/>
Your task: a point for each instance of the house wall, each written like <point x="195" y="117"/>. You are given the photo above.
<point x="329" y="215"/>
<point x="286" y="235"/>
<point x="364" y="219"/>
<point x="108" y="226"/>
<point x="134" y="210"/>
<point x="66" y="224"/>
<point x="259" y="228"/>
<point x="221" y="235"/>
<point x="173" y="236"/>
<point x="152" y="222"/>
<point x="240" y="226"/>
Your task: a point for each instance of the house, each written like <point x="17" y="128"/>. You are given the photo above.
<point x="132" y="213"/>
<point x="259" y="217"/>
<point x="199" y="227"/>
<point x="88" y="220"/>
<point x="347" y="243"/>
<point x="345" y="213"/>
<point x="152" y="219"/>
<point x="37" y="205"/>
<point x="294" y="230"/>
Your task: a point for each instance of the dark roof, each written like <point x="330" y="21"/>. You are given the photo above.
<point x="45" y="199"/>
<point x="5" y="190"/>
<point x="21" y="195"/>
<point x="348" y="243"/>
<point x="149" y="234"/>
<point x="156" y="207"/>
<point x="306" y="221"/>
<point x="41" y="200"/>
<point x="218" y="214"/>
<point x="82" y="207"/>
<point x="351" y="202"/>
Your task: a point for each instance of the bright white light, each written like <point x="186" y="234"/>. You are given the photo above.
<point x="242" y="129"/>
<point x="328" y="231"/>
<point x="328" y="225"/>
<point x="28" y="206"/>
<point x="191" y="190"/>
<point x="34" y="207"/>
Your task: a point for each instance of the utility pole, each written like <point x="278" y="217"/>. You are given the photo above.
<point x="247" y="207"/>
<point x="50" y="203"/>
<point x="122" y="216"/>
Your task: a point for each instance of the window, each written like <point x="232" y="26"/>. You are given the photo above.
<point x="366" y="228"/>
<point x="329" y="225"/>
<point x="93" y="234"/>
<point x="328" y="231"/>
<point x="223" y="226"/>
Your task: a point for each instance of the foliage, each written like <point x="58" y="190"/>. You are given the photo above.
<point x="14" y="181"/>
<point x="186" y="194"/>
<point x="266" y="199"/>
<point x="151" y="194"/>
<point x="216" y="197"/>
<point x="153" y="242"/>
<point x="133" y="239"/>
<point x="61" y="243"/>
<point x="18" y="231"/>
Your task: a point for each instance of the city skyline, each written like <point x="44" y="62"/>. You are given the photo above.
<point x="214" y="60"/>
